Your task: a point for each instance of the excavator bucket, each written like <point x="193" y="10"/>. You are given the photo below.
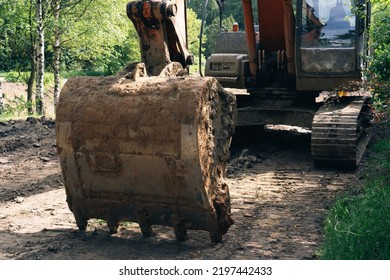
<point x="150" y="150"/>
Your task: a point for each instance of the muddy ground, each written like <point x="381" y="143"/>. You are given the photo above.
<point x="279" y="202"/>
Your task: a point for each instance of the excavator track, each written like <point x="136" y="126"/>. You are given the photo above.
<point x="340" y="132"/>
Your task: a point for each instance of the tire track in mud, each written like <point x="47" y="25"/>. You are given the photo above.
<point x="280" y="199"/>
<point x="285" y="210"/>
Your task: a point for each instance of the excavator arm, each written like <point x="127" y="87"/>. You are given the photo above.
<point x="162" y="31"/>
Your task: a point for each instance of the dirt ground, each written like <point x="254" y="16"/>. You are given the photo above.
<point x="279" y="202"/>
<point x="12" y="91"/>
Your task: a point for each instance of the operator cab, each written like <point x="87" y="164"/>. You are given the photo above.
<point x="330" y="43"/>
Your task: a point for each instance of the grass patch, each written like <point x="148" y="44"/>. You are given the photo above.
<point x="74" y="73"/>
<point x="15" y="104"/>
<point x="16" y="108"/>
<point x="15" y="77"/>
<point x="23" y="77"/>
<point x="358" y="226"/>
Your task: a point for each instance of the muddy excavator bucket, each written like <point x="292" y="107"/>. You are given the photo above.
<point x="150" y="150"/>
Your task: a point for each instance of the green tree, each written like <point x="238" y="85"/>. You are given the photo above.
<point x="14" y="35"/>
<point x="17" y="40"/>
<point x="197" y="6"/>
<point x="122" y="53"/>
<point x="380" y="58"/>
<point x="84" y="34"/>
<point x="232" y="8"/>
<point x="232" y="12"/>
<point x="212" y="31"/>
<point x="40" y="58"/>
<point x="193" y="27"/>
<point x="95" y="33"/>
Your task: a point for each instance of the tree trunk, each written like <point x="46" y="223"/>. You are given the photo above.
<point x="56" y="50"/>
<point x="1" y="96"/>
<point x="31" y="80"/>
<point x="30" y="84"/>
<point x="40" y="59"/>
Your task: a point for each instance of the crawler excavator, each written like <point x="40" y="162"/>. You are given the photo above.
<point x="150" y="144"/>
<point x="302" y="48"/>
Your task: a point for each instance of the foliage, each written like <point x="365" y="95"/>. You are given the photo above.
<point x="358" y="226"/>
<point x="197" y="6"/>
<point x="15" y="77"/>
<point x="193" y="27"/>
<point x="90" y="31"/>
<point x="234" y="9"/>
<point x="95" y="35"/>
<point x="22" y="77"/>
<point x="16" y="32"/>
<point x="74" y="73"/>
<point x="212" y="31"/>
<point x="98" y="35"/>
<point x="380" y="60"/>
<point x="15" y="107"/>
<point x="232" y="12"/>
<point x="231" y="9"/>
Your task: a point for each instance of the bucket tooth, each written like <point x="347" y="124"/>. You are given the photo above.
<point x="113" y="225"/>
<point x="81" y="220"/>
<point x="180" y="233"/>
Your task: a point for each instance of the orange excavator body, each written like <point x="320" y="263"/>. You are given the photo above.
<point x="303" y="48"/>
